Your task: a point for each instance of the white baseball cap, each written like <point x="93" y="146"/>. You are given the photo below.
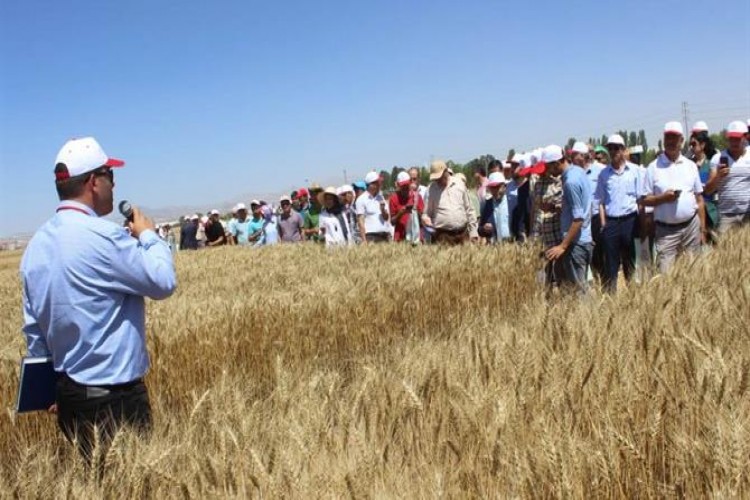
<point x="194" y="217"/>
<point x="496" y="178"/>
<point x="80" y="156"/>
<point x="616" y="139"/>
<point x="700" y="126"/>
<point x="580" y="147"/>
<point x="346" y="188"/>
<point x="214" y="212"/>
<point x="254" y="202"/>
<point x="372" y="177"/>
<point x="673" y="128"/>
<point x="403" y="179"/>
<point x="736" y="129"/>
<point x="552" y="153"/>
<point x="240" y="206"/>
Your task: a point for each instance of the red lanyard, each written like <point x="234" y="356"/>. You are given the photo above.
<point x="60" y="209"/>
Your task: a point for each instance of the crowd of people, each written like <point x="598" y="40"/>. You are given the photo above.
<point x="595" y="210"/>
<point x="84" y="278"/>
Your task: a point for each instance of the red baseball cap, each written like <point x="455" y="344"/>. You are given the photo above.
<point x="303" y="192"/>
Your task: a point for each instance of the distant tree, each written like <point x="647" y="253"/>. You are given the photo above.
<point x="604" y="139"/>
<point x="642" y="139"/>
<point x="660" y="148"/>
<point x="570" y="142"/>
<point x="649" y="155"/>
<point x="720" y="140"/>
<point x="394" y="172"/>
<point x="511" y="154"/>
<point x="387" y="181"/>
<point x="632" y="138"/>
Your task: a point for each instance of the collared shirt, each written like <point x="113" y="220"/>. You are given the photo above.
<point x="619" y="191"/>
<point x="662" y="175"/>
<point x="84" y="279"/>
<point x="450" y="208"/>
<point x="593" y="172"/>
<point x="290" y="227"/>
<point x="734" y="189"/>
<point x="548" y="191"/>
<point x="576" y="203"/>
<point x="369" y="206"/>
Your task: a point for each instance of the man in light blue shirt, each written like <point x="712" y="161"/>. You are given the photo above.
<point x="618" y="190"/>
<point x="575" y="219"/>
<point x="494" y="218"/>
<point x="84" y="281"/>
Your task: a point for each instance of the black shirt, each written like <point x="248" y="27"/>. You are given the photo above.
<point x="214" y="231"/>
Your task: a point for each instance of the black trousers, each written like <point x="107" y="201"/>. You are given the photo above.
<point x="618" y="237"/>
<point x="597" y="258"/>
<point x="91" y="415"/>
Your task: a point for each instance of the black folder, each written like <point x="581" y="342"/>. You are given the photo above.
<point x="36" y="389"/>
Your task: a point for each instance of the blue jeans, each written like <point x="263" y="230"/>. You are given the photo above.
<point x="576" y="263"/>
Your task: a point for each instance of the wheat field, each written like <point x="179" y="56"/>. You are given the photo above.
<point x="398" y="372"/>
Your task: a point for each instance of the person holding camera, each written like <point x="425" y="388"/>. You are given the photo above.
<point x="730" y="179"/>
<point x="84" y="282"/>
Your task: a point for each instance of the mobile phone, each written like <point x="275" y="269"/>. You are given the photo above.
<point x="724" y="161"/>
<point x="677" y="192"/>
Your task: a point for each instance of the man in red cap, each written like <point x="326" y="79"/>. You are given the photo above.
<point x="730" y="178"/>
<point x="672" y="186"/>
<point x="84" y="283"/>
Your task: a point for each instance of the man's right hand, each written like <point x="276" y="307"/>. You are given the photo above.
<point x="140" y="223"/>
<point x="722" y="171"/>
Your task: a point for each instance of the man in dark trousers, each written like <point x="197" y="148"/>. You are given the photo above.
<point x="215" y="231"/>
<point x="188" y="234"/>
<point x="84" y="283"/>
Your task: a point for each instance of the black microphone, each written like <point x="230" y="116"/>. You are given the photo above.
<point x="126" y="210"/>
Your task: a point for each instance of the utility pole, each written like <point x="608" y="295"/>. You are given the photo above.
<point x="685" y="125"/>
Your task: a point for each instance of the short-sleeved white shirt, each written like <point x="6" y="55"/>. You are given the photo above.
<point x="662" y="175"/>
<point x="734" y="189"/>
<point x="369" y="206"/>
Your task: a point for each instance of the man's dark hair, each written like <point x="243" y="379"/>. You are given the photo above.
<point x="70" y="187"/>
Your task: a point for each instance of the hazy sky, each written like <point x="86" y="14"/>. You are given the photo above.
<point x="207" y="101"/>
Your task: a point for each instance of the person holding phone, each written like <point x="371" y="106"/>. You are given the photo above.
<point x="672" y="186"/>
<point x="730" y="179"/>
<point x="407" y="207"/>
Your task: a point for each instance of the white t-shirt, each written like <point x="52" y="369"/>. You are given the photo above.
<point x="369" y="206"/>
<point x="662" y="175"/>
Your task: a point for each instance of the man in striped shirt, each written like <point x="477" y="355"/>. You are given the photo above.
<point x="730" y="178"/>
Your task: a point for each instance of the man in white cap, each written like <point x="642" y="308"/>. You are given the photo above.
<point x="449" y="213"/>
<point x="575" y="219"/>
<point x="239" y="227"/>
<point x="84" y="283"/>
<point x="494" y="220"/>
<point x="730" y="179"/>
<point x="673" y="187"/>
<point x="373" y="219"/>
<point x="618" y="190"/>
<point x="215" y="230"/>
<point x="518" y="191"/>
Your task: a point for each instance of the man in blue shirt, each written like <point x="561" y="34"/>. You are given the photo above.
<point x="575" y="219"/>
<point x="618" y="191"/>
<point x="84" y="281"/>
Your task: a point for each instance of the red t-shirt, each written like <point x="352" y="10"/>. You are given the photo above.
<point x="395" y="204"/>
